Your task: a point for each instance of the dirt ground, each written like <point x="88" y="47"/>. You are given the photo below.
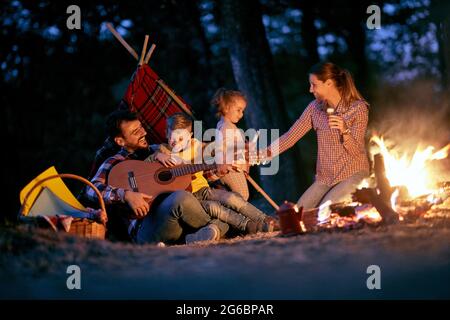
<point x="414" y="259"/>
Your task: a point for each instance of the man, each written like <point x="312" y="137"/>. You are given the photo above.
<point x="171" y="217"/>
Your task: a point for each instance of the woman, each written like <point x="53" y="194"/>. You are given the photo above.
<point x="339" y="115"/>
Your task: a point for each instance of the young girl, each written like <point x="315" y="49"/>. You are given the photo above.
<point x="230" y="108"/>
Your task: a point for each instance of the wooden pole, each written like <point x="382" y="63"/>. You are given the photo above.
<point x="174" y="97"/>
<point x="260" y="190"/>
<point x="144" y="50"/>
<point x="122" y="40"/>
<point x="149" y="54"/>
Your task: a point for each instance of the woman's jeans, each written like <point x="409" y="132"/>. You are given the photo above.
<point x="319" y="193"/>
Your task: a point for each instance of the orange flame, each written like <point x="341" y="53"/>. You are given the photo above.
<point x="413" y="172"/>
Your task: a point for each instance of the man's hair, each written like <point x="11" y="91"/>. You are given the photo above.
<point x="115" y="119"/>
<point x="179" y="121"/>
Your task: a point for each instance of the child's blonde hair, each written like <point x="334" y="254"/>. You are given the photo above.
<point x="223" y="98"/>
<point x="179" y="121"/>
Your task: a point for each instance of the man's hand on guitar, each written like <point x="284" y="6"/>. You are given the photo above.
<point x="165" y="159"/>
<point x="138" y="202"/>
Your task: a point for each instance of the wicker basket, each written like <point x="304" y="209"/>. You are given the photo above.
<point x="81" y="227"/>
<point x="88" y="229"/>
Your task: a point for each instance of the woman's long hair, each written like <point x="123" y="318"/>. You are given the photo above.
<point x="343" y="81"/>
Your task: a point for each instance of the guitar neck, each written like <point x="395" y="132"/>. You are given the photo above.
<point x="191" y="169"/>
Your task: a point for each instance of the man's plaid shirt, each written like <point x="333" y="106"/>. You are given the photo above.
<point x="100" y="180"/>
<point x="337" y="160"/>
<point x="110" y="194"/>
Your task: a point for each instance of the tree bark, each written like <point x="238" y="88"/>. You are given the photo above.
<point x="439" y="16"/>
<point x="254" y="74"/>
<point x="309" y="33"/>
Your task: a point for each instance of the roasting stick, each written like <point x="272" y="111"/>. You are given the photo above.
<point x="260" y="190"/>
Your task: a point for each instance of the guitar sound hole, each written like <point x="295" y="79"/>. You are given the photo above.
<point x="165" y="176"/>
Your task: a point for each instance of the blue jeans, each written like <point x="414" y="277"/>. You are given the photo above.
<point x="165" y="222"/>
<point x="319" y="193"/>
<point x="229" y="207"/>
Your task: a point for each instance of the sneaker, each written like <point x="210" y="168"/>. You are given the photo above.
<point x="252" y="227"/>
<point x="207" y="233"/>
<point x="259" y="226"/>
<point x="272" y="223"/>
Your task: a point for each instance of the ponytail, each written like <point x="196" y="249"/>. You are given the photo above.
<point x="348" y="90"/>
<point x="343" y="81"/>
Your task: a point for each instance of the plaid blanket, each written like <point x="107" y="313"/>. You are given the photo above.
<point x="153" y="101"/>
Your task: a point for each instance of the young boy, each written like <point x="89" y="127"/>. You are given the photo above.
<point x="226" y="206"/>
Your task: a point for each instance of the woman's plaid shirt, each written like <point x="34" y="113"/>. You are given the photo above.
<point x="338" y="158"/>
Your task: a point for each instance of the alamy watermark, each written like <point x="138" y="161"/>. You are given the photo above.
<point x="74" y="20"/>
<point x="237" y="150"/>
<point x="74" y="280"/>
<point x="374" y="280"/>
<point x="374" y="20"/>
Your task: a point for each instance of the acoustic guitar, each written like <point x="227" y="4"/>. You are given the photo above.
<point x="153" y="178"/>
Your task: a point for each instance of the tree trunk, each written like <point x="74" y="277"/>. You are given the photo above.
<point x="439" y="15"/>
<point x="444" y="52"/>
<point x="254" y="74"/>
<point x="309" y="33"/>
<point x="355" y="36"/>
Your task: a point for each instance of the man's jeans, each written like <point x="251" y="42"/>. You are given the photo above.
<point x="165" y="222"/>
<point x="319" y="193"/>
<point x="229" y="207"/>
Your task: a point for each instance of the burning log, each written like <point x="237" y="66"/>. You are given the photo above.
<point x="370" y="196"/>
<point x="382" y="182"/>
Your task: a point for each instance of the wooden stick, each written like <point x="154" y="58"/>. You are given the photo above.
<point x="260" y="190"/>
<point x="144" y="50"/>
<point x="149" y="54"/>
<point x="174" y="97"/>
<point x="122" y="40"/>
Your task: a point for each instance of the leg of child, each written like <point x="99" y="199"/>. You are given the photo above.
<point x="218" y="211"/>
<point x="234" y="219"/>
<point x="233" y="201"/>
<point x="237" y="182"/>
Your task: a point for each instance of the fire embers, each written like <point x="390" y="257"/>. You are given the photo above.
<point x="347" y="217"/>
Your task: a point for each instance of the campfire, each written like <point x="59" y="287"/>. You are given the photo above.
<point x="403" y="187"/>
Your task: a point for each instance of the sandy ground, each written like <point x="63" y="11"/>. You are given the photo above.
<point x="414" y="261"/>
